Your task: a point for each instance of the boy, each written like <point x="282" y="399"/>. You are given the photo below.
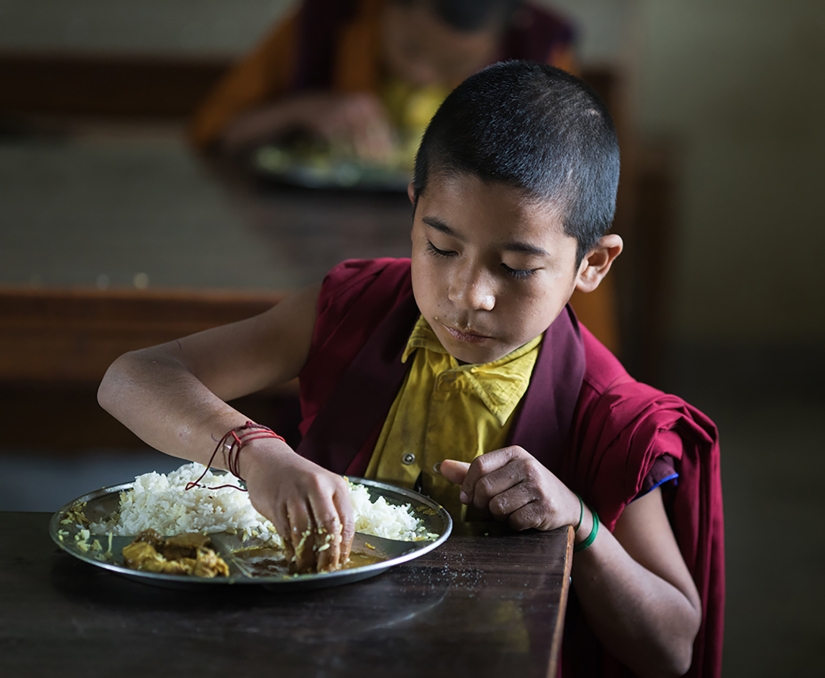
<point x="463" y="372"/>
<point x="366" y="76"/>
<point x="356" y="71"/>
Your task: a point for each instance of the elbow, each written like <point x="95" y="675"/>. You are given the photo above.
<point x="105" y="392"/>
<point x="672" y="664"/>
<point x="682" y="660"/>
<point x="112" y="384"/>
<point x="672" y="656"/>
<point x="678" y="660"/>
<point x="679" y="657"/>
<point x="684" y="656"/>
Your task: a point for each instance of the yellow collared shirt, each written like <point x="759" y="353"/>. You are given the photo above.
<point x="445" y="410"/>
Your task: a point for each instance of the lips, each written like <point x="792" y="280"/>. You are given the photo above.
<point x="466" y="336"/>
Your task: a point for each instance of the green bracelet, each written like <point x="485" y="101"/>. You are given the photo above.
<point x="581" y="513"/>
<point x="578" y="548"/>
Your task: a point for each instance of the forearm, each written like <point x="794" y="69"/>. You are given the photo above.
<point x="157" y="398"/>
<point x="174" y="395"/>
<point x="635" y="587"/>
<point x="643" y="620"/>
<point x="261" y="125"/>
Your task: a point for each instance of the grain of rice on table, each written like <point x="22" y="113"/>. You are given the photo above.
<point x="162" y="503"/>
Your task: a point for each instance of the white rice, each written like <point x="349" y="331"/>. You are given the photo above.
<point x="381" y="519"/>
<point x="162" y="503"/>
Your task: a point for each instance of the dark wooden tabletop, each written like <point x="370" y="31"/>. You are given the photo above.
<point x="481" y="605"/>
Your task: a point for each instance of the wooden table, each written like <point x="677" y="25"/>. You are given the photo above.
<point x="480" y="605"/>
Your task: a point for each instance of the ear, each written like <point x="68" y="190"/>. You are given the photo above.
<point x="411" y="192"/>
<point x="598" y="261"/>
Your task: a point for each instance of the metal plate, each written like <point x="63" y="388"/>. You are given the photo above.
<point x="281" y="165"/>
<point x="103" y="503"/>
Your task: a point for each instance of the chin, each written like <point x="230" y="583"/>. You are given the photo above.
<point x="475" y="355"/>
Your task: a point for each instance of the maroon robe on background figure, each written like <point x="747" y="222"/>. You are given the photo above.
<point x="583" y="417"/>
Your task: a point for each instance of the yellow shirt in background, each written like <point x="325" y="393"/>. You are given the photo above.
<point x="445" y="410"/>
<point x="410" y="109"/>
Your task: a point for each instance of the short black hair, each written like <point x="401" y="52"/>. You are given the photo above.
<point x="471" y="15"/>
<point x="536" y="128"/>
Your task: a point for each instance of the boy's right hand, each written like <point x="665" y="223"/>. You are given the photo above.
<point x="309" y="506"/>
<point x="355" y="121"/>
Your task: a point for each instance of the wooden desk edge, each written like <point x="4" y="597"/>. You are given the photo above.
<point x="70" y="336"/>
<point x="555" y="648"/>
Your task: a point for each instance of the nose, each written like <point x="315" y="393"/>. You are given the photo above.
<point x="472" y="289"/>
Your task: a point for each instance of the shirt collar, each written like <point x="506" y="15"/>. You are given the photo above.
<point x="499" y="384"/>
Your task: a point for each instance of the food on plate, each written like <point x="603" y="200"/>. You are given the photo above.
<point x="161" y="504"/>
<point x="182" y="554"/>
<point x="382" y="519"/>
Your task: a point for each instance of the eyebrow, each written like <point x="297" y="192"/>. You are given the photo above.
<point x="516" y="246"/>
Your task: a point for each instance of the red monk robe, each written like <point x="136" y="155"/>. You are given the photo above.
<point x="583" y="417"/>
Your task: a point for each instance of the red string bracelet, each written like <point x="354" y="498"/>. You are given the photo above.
<point x="231" y="444"/>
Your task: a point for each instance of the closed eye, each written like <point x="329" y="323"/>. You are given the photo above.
<point x="439" y="253"/>
<point x="519" y="274"/>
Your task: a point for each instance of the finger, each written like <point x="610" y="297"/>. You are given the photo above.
<point x="282" y="525"/>
<point x="302" y="537"/>
<point x="328" y="533"/>
<point x="275" y="512"/>
<point x="344" y="506"/>
<point x="506" y="488"/>
<point x="454" y="471"/>
<point x="372" y="143"/>
<point x="511" y="500"/>
<point x="526" y="517"/>
<point x="483" y="466"/>
<point x="369" y="128"/>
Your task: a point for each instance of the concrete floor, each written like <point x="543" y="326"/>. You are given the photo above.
<point x="772" y="446"/>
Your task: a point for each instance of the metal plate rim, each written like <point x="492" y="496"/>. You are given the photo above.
<point x="283" y="582"/>
<point x="300" y="174"/>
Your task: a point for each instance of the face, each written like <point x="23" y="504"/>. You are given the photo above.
<point x="421" y="49"/>
<point x="490" y="271"/>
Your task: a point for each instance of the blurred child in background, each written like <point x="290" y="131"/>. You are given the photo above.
<point x="369" y="74"/>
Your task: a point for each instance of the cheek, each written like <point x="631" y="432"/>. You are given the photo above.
<point x="423" y="280"/>
<point x="432" y="286"/>
<point x="538" y="309"/>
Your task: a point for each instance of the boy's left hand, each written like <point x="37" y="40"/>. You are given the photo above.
<point x="510" y="484"/>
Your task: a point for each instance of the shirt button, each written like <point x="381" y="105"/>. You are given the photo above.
<point x="408" y="459"/>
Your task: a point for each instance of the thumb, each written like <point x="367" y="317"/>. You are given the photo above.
<point x="454" y="471"/>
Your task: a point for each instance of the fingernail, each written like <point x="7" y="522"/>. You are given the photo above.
<point x="463" y="497"/>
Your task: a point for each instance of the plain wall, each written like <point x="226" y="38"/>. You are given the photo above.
<point x="740" y="84"/>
